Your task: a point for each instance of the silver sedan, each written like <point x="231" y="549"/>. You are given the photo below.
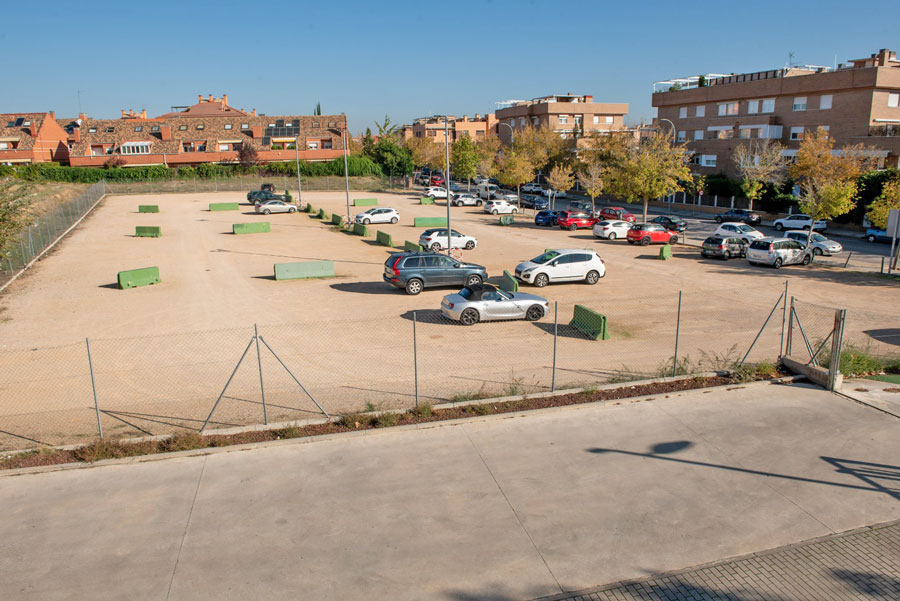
<point x="275" y="206"/>
<point x="485" y="302"/>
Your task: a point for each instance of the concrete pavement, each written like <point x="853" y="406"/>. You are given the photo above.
<point x="509" y="507"/>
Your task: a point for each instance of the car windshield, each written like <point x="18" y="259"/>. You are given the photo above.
<point x="818" y="238"/>
<point x="546" y="257"/>
<point x="715" y="241"/>
<point x="745" y="228"/>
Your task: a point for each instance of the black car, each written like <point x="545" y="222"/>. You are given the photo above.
<point x="260" y="196"/>
<point x="723" y="248"/>
<point x="530" y="201"/>
<point x="269" y="187"/>
<point x="580" y="205"/>
<point x="671" y="222"/>
<point x="744" y="215"/>
<point x="414" y="271"/>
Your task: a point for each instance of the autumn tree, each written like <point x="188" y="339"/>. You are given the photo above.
<point x="759" y="163"/>
<point x="888" y="200"/>
<point x="425" y="153"/>
<point x="543" y="147"/>
<point x="13" y="214"/>
<point x="827" y="179"/>
<point x="487" y="150"/>
<point x="590" y="176"/>
<point x="464" y="157"/>
<point x="560" y="178"/>
<point x="514" y="169"/>
<point x="247" y="155"/>
<point x="645" y="170"/>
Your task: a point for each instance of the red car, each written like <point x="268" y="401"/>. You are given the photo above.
<point x="651" y="233"/>
<point x="573" y="220"/>
<point x="616" y="213"/>
<point x="437" y="180"/>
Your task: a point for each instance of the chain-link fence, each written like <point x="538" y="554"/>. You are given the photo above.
<point x="48" y="227"/>
<point x="244" y="183"/>
<point x="288" y="372"/>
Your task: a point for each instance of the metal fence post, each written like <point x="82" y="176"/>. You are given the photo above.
<point x="788" y="343"/>
<point x="783" y="321"/>
<point x="87" y="343"/>
<point x="262" y="387"/>
<point x="837" y="342"/>
<point x="677" y="332"/>
<point x="732" y="201"/>
<point x="555" y="337"/>
<point x="415" y="360"/>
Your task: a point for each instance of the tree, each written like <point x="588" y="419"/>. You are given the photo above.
<point x="590" y="175"/>
<point x="318" y="109"/>
<point x="514" y="169"/>
<point x="543" y="147"/>
<point x="882" y="206"/>
<point x="827" y="179"/>
<point x="368" y="143"/>
<point x="464" y="157"/>
<point x="13" y="214"/>
<point x="560" y="178"/>
<point x="393" y="158"/>
<point x="759" y="163"/>
<point x="425" y="153"/>
<point x="247" y="155"/>
<point x="645" y="170"/>
<point x="486" y="150"/>
<point x="387" y="129"/>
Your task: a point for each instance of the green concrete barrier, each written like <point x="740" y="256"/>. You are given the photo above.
<point x="224" y="206"/>
<point x="507" y="219"/>
<point x="508" y="282"/>
<point x="322" y="214"/>
<point x="304" y="270"/>
<point x="589" y="322"/>
<point x="147" y="231"/>
<point x="430" y="222"/>
<point x="310" y="210"/>
<point x="426" y="200"/>
<point x="384" y="239"/>
<point x="412" y="246"/>
<point x="665" y="252"/>
<point x="138" y="277"/>
<point x="360" y="230"/>
<point x="337" y="220"/>
<point x="364" y="202"/>
<point x="259" y="227"/>
<point x="148" y="208"/>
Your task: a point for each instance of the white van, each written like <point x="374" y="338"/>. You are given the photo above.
<point x="487" y="191"/>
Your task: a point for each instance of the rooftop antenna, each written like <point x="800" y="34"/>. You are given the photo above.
<point x="790" y="59"/>
<point x="78" y="94"/>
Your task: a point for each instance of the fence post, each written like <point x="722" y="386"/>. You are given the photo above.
<point x="555" y="337"/>
<point x="677" y="331"/>
<point x="789" y="339"/>
<point x="87" y="344"/>
<point x="415" y="360"/>
<point x="783" y="321"/>
<point x="716" y="201"/>
<point x="732" y="201"/>
<point x="837" y="342"/>
<point x="262" y="387"/>
<point x="216" y="180"/>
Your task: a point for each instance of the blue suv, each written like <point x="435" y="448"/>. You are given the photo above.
<point x="546" y="218"/>
<point x="414" y="271"/>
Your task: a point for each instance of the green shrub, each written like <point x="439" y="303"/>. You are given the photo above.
<point x="766" y="369"/>
<point x="111" y="449"/>
<point x="422" y="411"/>
<point x="183" y="441"/>
<point x="355" y="421"/>
<point x="386" y="420"/>
<point x="481" y="409"/>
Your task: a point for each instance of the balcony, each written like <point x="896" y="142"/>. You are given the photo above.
<point x="885" y="131"/>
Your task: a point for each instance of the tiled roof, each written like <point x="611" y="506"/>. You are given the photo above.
<point x="21" y="132"/>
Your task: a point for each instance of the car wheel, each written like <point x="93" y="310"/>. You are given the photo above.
<point x="645" y="240"/>
<point x="612" y="236"/>
<point x="367" y="221"/>
<point x="592" y="277"/>
<point x="515" y="211"/>
<point x="777" y="263"/>
<point x="541" y="280"/>
<point x="572" y="227"/>
<point x="534" y="313"/>
<point x="470" y="245"/>
<point x="817" y="252"/>
<point x="778" y="227"/>
<point x="414" y="286"/>
<point x="477" y="203"/>
<point x="726" y="255"/>
<point x="494" y="212"/>
<point x="394" y="220"/>
<point x="718" y="220"/>
<point x="806" y="227"/>
<point x="469" y="317"/>
<point x="870" y="238"/>
<point x="436" y="246"/>
<point x="807" y="259"/>
<point x="267" y="212"/>
<point x="673" y="240"/>
<point x="292" y="210"/>
<point x="630" y="241"/>
<point x="473" y="280"/>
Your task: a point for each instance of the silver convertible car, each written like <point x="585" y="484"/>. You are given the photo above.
<point x="485" y="302"/>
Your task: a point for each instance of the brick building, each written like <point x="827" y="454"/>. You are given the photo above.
<point x="477" y="127"/>
<point x="32" y="138"/>
<point x="857" y="103"/>
<point x="568" y="115"/>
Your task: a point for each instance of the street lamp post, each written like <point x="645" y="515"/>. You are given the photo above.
<point x="447" y="181"/>
<point x="346" y="170"/>
<point x="512" y="133"/>
<point x="673" y="129"/>
<point x="299" y="188"/>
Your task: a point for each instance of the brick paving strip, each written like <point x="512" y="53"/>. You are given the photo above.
<point x="860" y="564"/>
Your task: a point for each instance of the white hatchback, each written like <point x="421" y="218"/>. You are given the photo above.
<point x="611" y="229"/>
<point x="497" y="207"/>
<point x="378" y="215"/>
<point x="436" y="239"/>
<point x="436" y="192"/>
<point x="739" y="230"/>
<point x="562" y="265"/>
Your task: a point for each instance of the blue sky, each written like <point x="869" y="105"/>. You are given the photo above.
<point x="368" y="59"/>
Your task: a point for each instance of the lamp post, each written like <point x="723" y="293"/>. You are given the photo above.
<point x="512" y="134"/>
<point x="299" y="189"/>
<point x="673" y="129"/>
<point x="447" y="181"/>
<point x="346" y="170"/>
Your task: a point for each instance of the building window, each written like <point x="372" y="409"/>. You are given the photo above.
<point x="245" y="126"/>
<point x="708" y="160"/>
<point x="326" y="144"/>
<point x="563" y="118"/>
<point x="700" y="111"/>
<point x="330" y="124"/>
<point x="312" y="145"/>
<point x="228" y="126"/>
<point x="315" y="124"/>
<point x="752" y="107"/>
<point x="135" y="148"/>
<point x="800" y="103"/>
<point x="579" y="119"/>
<point x="768" y="105"/>
<point x="5" y="146"/>
<point x="521" y="121"/>
<point x="682" y="113"/>
<point x="535" y="121"/>
<point x="200" y="126"/>
<point x="92" y="130"/>
<point x="682" y="135"/>
<point x="110" y="130"/>
<point x="96" y="151"/>
<point x="432" y="133"/>
<point x="139" y="128"/>
<point x="698" y="134"/>
<point x="223" y="147"/>
<point x="724" y="134"/>
<point x="894" y="99"/>
<point x="729" y="108"/>
<point x="609" y="119"/>
<point x="182" y="128"/>
<point x="796" y="133"/>
<point x="596" y="119"/>
<point x="825" y="102"/>
<point x="825" y="128"/>
<point x="271" y="125"/>
<point x="154" y="128"/>
<point x="26" y="123"/>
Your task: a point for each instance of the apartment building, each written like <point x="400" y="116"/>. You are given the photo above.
<point x="857" y="102"/>
<point x="31" y="138"/>
<point x="476" y="127"/>
<point x="569" y="115"/>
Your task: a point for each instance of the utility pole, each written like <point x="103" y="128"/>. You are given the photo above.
<point x="447" y="182"/>
<point x="299" y="189"/>
<point x="346" y="170"/>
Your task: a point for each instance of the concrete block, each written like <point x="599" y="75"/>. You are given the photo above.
<point x="258" y="227"/>
<point x="304" y="270"/>
<point x="148" y="208"/>
<point x="384" y="239"/>
<point x="589" y="322"/>
<point x="147" y="231"/>
<point x="412" y="246"/>
<point x="509" y="283"/>
<point x="430" y="222"/>
<point x="360" y="230"/>
<point x="337" y="220"/>
<point x="426" y="200"/>
<point x="665" y="252"/>
<point x="224" y="206"/>
<point x="364" y="202"/>
<point x="138" y="277"/>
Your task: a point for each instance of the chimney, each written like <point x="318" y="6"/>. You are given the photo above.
<point x="588" y="98"/>
<point x="477" y="117"/>
<point x="199" y="98"/>
<point x="76" y="134"/>
<point x="210" y="98"/>
<point x="165" y="132"/>
<point x="131" y="113"/>
<point x="32" y="129"/>
<point x="123" y="113"/>
<point x="224" y="99"/>
<point x="144" y="114"/>
<point x="52" y="115"/>
<point x="253" y="112"/>
<point x="82" y="117"/>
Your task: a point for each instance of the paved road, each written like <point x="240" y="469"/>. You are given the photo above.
<point x="859" y="565"/>
<point x="503" y="508"/>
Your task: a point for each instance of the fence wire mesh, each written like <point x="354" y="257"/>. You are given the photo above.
<point x="252" y="182"/>
<point x="811" y="333"/>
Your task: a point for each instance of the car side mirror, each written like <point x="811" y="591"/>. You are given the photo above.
<point x="456" y="265"/>
<point x="554" y="263"/>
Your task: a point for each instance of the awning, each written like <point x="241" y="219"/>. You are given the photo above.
<point x="280" y="140"/>
<point x="239" y="141"/>
<point x="720" y="127"/>
<point x="752" y="126"/>
<point x="10" y="139"/>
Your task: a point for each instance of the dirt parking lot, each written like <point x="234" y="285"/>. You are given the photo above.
<point x="163" y="353"/>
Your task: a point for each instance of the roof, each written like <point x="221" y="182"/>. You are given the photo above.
<point x="19" y="131"/>
<point x="207" y="107"/>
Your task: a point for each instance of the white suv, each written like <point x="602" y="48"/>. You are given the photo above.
<point x="378" y="215"/>
<point x="495" y="207"/>
<point x="436" y="239"/>
<point x="533" y="188"/>
<point x="436" y="192"/>
<point x="799" y="221"/>
<point x="562" y="265"/>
